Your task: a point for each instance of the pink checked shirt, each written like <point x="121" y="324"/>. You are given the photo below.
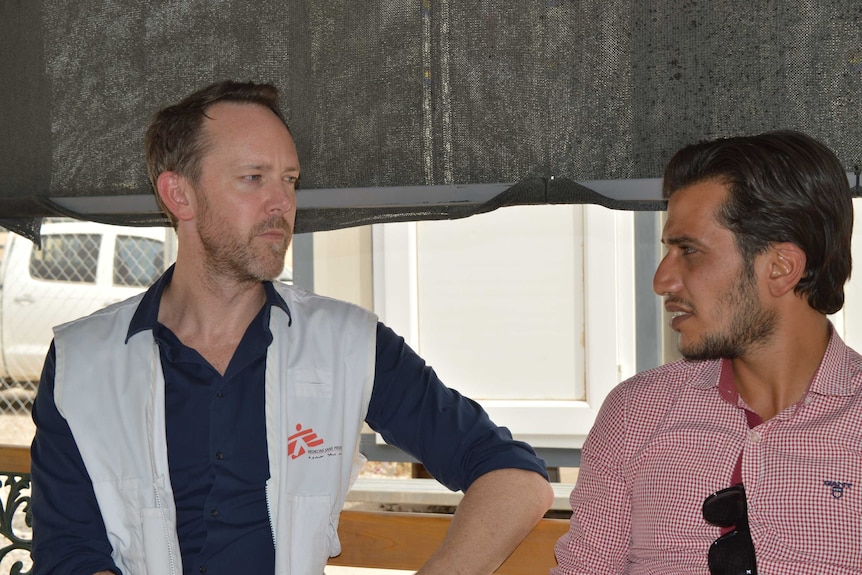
<point x="666" y="439"/>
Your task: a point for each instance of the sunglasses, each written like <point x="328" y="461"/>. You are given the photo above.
<point x="733" y="552"/>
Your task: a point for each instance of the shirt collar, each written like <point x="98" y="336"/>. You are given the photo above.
<point x="147" y="314"/>
<point x="837" y="374"/>
<point x="840" y="370"/>
<point x="727" y="391"/>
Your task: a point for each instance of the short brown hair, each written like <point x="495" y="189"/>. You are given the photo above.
<point x="174" y="139"/>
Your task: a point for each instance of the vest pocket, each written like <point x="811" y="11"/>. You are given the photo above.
<point x="307" y="540"/>
<point x="119" y="504"/>
<point x="311" y="382"/>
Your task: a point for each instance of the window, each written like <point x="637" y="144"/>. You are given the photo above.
<point x="529" y="310"/>
<point x="66" y="258"/>
<point x="137" y="261"/>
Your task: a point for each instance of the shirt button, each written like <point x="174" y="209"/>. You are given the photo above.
<point x="220" y="394"/>
<point x="214" y="513"/>
<point x="219" y="455"/>
<point x="202" y="568"/>
<point x="754" y="437"/>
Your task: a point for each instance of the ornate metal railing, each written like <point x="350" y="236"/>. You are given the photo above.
<point x="16" y="531"/>
<point x="15" y="524"/>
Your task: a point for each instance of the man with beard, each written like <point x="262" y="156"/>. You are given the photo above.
<point x="212" y="424"/>
<point x="747" y="454"/>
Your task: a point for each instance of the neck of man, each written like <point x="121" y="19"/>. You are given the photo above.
<point x="209" y="314"/>
<point x="776" y="374"/>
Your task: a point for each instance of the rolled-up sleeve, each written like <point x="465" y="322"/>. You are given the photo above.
<point x="450" y="434"/>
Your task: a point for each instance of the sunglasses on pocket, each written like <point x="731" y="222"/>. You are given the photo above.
<point x="733" y="552"/>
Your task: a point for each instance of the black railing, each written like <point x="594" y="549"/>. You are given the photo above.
<point x="16" y="524"/>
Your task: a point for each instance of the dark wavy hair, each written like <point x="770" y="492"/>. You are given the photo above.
<point x="783" y="186"/>
<point x="174" y="139"/>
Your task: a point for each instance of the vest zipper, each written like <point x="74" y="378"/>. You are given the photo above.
<point x="269" y="513"/>
<point x="155" y="368"/>
<point x="167" y="531"/>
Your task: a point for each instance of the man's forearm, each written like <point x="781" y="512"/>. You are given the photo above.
<point x="498" y="510"/>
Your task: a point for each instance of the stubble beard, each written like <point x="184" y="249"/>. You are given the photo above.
<point x="750" y="326"/>
<point x="228" y="255"/>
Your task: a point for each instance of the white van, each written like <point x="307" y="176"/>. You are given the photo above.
<point x="81" y="267"/>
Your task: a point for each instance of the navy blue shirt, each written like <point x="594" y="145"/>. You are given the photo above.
<point x="217" y="448"/>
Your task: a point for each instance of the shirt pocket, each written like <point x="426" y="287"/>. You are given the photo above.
<point x="311" y="382"/>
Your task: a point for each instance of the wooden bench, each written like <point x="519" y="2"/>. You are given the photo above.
<point x="370" y="539"/>
<point x="395" y="540"/>
<point x="427" y="492"/>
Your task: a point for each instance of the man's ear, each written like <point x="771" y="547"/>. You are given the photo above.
<point x="786" y="263"/>
<point x="175" y="192"/>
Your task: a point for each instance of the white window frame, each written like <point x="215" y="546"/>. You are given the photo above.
<point x="609" y="322"/>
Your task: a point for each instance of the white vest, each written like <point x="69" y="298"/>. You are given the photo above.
<point x="319" y="376"/>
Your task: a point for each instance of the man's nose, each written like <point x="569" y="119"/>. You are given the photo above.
<point x="282" y="197"/>
<point x="666" y="280"/>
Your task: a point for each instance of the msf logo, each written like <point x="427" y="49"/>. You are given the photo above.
<point x="303" y="438"/>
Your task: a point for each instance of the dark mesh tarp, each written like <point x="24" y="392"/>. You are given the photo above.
<point x="540" y="94"/>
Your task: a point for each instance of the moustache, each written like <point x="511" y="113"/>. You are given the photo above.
<point x="273" y="223"/>
<point x="672" y="300"/>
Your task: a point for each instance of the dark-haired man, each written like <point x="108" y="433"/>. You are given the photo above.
<point x="747" y="454"/>
<point x="211" y="425"/>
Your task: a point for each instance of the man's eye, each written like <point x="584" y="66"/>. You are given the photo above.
<point x="252" y="177"/>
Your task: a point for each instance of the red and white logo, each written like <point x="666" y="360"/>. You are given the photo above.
<point x="303" y="438"/>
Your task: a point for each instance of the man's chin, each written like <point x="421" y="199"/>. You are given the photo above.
<point x="270" y="274"/>
<point x="265" y="269"/>
<point x="700" y="351"/>
<point x="692" y="350"/>
<point x="271" y="263"/>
